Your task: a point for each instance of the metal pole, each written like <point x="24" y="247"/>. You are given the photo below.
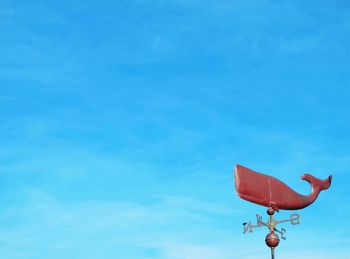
<point x="272" y="253"/>
<point x="272" y="239"/>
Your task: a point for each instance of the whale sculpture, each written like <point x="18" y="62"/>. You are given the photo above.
<point x="270" y="192"/>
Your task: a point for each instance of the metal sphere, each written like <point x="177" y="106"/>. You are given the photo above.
<point x="272" y="240"/>
<point x="270" y="211"/>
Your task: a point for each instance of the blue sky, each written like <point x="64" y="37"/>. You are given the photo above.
<point x="121" y="122"/>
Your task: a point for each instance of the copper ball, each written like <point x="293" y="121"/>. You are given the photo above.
<point x="270" y="211"/>
<point x="272" y="240"/>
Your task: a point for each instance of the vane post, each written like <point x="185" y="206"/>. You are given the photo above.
<point x="272" y="253"/>
<point x="272" y="240"/>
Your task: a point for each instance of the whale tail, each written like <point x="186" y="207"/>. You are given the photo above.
<point x="318" y="183"/>
<point x="325" y="184"/>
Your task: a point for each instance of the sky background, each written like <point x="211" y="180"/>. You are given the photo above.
<point x="121" y="122"/>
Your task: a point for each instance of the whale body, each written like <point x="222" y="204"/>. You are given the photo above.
<point x="268" y="191"/>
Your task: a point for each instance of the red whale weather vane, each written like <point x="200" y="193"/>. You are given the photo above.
<point x="272" y="193"/>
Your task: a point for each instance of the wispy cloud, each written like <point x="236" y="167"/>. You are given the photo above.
<point x="45" y="227"/>
<point x="169" y="227"/>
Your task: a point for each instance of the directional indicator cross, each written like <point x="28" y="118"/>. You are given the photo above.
<point x="272" y="239"/>
<point x="271" y="224"/>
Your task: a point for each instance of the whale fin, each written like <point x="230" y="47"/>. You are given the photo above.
<point x="318" y="183"/>
<point x="326" y="183"/>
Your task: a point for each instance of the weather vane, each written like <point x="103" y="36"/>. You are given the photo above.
<point x="272" y="193"/>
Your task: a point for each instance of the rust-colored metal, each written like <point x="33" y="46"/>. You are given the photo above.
<point x="272" y="240"/>
<point x="270" y="211"/>
<point x="268" y="191"/>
